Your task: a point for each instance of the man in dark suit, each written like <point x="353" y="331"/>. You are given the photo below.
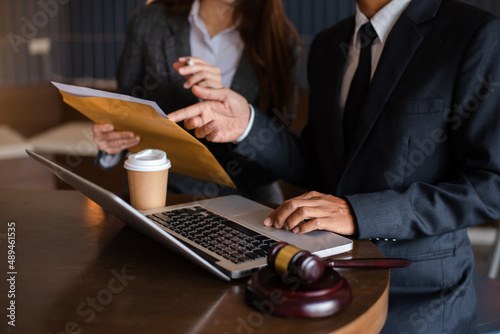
<point x="408" y="163"/>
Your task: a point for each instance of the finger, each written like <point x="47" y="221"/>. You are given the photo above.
<point x="209" y="93"/>
<point x="291" y="212"/>
<point x="185" y="60"/>
<point x="178" y="65"/>
<point x="206" y="130"/>
<point x="312" y="225"/>
<point x="101" y="133"/>
<point x="215" y="137"/>
<point x="214" y="83"/>
<point x="188" y="61"/>
<point x="104" y="139"/>
<point x="98" y="128"/>
<point x="205" y="79"/>
<point x="115" y="135"/>
<point x="209" y="84"/>
<point x="186" y="113"/>
<point x="336" y="222"/>
<point x="197" y="68"/>
<point x="194" y="79"/>
<point x="275" y="215"/>
<point x="185" y="70"/>
<point x="303" y="214"/>
<point x="189" y="70"/>
<point x="116" y="146"/>
<point x="193" y="123"/>
<point x="278" y="217"/>
<point x="193" y="60"/>
<point x="185" y="66"/>
<point x="112" y="140"/>
<point x="116" y="141"/>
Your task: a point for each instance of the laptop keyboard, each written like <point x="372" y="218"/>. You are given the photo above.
<point x="215" y="233"/>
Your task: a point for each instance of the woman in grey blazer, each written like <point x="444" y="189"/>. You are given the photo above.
<point x="257" y="46"/>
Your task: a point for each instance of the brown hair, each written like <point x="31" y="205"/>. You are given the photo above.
<point x="271" y="42"/>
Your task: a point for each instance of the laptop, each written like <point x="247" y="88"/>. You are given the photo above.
<point x="224" y="235"/>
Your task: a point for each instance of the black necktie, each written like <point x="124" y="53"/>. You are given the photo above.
<point x="359" y="85"/>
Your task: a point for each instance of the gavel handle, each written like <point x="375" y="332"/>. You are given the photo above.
<point x="369" y="263"/>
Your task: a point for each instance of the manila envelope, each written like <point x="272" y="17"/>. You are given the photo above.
<point x="188" y="156"/>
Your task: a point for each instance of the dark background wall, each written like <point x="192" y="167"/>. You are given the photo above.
<point x="79" y="41"/>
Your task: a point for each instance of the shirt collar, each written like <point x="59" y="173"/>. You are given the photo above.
<point x="195" y="19"/>
<point x="384" y="19"/>
<point x="195" y="9"/>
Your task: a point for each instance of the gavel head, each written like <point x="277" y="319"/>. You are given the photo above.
<point x="291" y="262"/>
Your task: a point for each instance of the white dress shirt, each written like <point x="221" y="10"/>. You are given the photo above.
<point x="382" y="22"/>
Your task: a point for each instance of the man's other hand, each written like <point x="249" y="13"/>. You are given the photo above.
<point x="314" y="211"/>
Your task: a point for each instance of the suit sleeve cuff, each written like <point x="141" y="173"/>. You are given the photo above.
<point x="109" y="161"/>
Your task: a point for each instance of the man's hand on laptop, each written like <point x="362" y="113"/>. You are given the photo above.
<point x="112" y="142"/>
<point x="314" y="211"/>
<point x="221" y="117"/>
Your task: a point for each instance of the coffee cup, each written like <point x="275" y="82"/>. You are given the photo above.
<point x="147" y="173"/>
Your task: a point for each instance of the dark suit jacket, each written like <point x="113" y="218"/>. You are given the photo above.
<point x="425" y="163"/>
<point x="154" y="43"/>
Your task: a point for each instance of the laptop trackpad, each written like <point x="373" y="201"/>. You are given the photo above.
<point x="321" y="243"/>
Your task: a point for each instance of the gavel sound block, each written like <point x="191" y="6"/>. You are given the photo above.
<point x="277" y="295"/>
<point x="298" y="284"/>
<point x="284" y="293"/>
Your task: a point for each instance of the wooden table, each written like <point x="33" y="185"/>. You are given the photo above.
<point x="81" y="270"/>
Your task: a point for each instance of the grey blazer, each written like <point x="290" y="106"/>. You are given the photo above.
<point x="154" y="43"/>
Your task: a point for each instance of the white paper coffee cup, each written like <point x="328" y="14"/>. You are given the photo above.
<point x="148" y="178"/>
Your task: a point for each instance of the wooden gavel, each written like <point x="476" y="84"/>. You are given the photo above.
<point x="292" y="262"/>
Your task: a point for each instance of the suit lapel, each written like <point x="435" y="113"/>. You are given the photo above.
<point x="177" y="45"/>
<point x="335" y="63"/>
<point x="401" y="45"/>
<point x="245" y="81"/>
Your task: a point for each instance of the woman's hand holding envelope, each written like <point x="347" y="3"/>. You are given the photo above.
<point x="112" y="142"/>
